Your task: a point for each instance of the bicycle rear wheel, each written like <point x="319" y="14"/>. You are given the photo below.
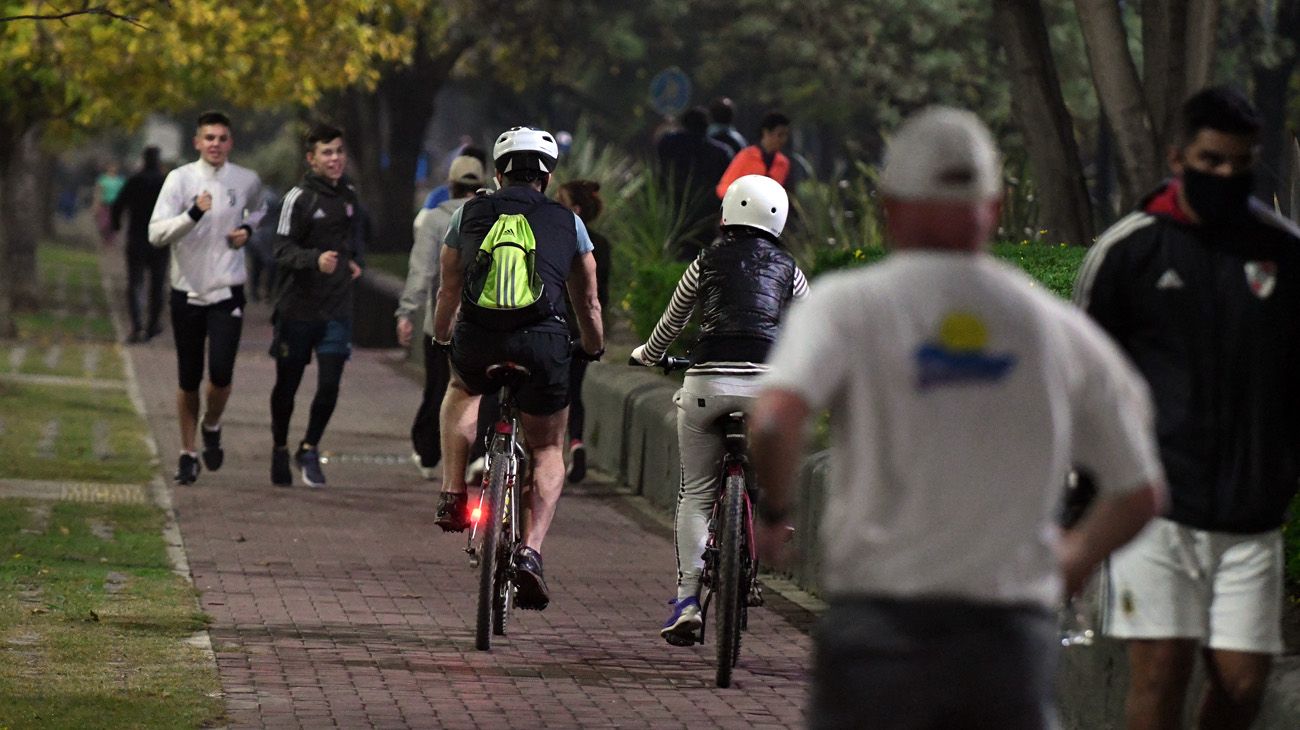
<point x="503" y="597"/>
<point x="493" y="508"/>
<point x="730" y="589"/>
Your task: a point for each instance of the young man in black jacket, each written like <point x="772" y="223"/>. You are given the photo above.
<point x="1201" y="287"/>
<point x="318" y="257"/>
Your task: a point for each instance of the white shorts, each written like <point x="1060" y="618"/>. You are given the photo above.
<point x="1172" y="581"/>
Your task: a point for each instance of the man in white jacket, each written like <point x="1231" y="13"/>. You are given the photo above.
<point x="206" y="212"/>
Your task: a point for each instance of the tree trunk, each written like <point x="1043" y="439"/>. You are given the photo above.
<point x="1164" y="58"/>
<point x="1039" y="109"/>
<point x="21" y="222"/>
<point x="1114" y="75"/>
<point x="385" y="130"/>
<point x="1272" y="97"/>
<point x="1202" y="43"/>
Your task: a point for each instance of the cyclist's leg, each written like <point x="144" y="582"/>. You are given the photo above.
<point x="457" y="421"/>
<point x="701" y="402"/>
<point x="545" y="437"/>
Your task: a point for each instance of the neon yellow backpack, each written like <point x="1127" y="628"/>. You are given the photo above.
<point x="503" y="290"/>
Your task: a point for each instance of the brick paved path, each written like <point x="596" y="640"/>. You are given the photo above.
<point x="346" y="607"/>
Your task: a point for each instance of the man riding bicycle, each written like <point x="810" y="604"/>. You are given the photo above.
<point x="524" y="158"/>
<point x="743" y="282"/>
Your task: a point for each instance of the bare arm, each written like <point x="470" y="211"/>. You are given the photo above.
<point x="447" y="302"/>
<point x="583" y="294"/>
<point x="1111" y="523"/>
<point x="777" y="442"/>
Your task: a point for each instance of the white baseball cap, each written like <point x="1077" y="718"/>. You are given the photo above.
<point x="466" y="169"/>
<point x="942" y="153"/>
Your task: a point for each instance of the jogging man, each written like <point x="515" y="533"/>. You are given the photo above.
<point x="205" y="213"/>
<point x="959" y="396"/>
<point x="422" y="271"/>
<point x="317" y="256"/>
<point x="742" y="283"/>
<point x="524" y="158"/>
<point x="1201" y="287"/>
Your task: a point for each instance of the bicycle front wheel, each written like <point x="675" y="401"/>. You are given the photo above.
<point x="730" y="596"/>
<point x="493" y="507"/>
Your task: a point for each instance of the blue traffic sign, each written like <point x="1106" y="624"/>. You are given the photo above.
<point x="670" y="91"/>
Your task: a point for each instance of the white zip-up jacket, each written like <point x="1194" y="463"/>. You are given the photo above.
<point x="202" y="262"/>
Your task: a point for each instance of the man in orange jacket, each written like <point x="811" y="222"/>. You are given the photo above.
<point x="764" y="158"/>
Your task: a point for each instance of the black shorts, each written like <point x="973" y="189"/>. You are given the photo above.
<point x="295" y="340"/>
<point x="545" y="354"/>
<point x="214" y="327"/>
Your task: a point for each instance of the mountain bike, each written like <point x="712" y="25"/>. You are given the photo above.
<point x="729" y="583"/>
<point x="496" y="522"/>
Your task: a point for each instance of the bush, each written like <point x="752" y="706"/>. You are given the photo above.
<point x="650" y="288"/>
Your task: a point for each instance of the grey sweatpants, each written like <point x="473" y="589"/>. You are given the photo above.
<point x="931" y="664"/>
<point x="702" y="400"/>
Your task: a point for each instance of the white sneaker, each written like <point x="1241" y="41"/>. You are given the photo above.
<point x="430" y="473"/>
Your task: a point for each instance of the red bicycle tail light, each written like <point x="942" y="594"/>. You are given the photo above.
<point x="476" y="513"/>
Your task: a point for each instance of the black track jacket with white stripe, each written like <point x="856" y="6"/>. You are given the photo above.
<point x="316" y="217"/>
<point x="1211" y="316"/>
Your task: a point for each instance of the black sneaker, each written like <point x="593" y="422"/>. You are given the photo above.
<point x="577" y="462"/>
<point x="213" y="455"/>
<point x="187" y="471"/>
<point x="453" y="508"/>
<point x="309" y="467"/>
<point x="280" y="474"/>
<point x="532" y="593"/>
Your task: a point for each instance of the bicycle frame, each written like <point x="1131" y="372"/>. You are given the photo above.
<point x="496" y="524"/>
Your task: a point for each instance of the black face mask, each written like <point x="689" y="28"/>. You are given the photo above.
<point x="1217" y="199"/>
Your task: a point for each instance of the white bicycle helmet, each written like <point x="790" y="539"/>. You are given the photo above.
<point x="525" y="148"/>
<point x="757" y="201"/>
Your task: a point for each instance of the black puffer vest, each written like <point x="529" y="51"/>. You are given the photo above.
<point x="745" y="284"/>
<point x="553" y="228"/>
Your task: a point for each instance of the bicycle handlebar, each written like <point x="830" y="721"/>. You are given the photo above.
<point x="669" y="363"/>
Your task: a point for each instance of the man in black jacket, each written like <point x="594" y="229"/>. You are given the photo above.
<point x="1201" y="286"/>
<point x="318" y="256"/>
<point x="137" y="198"/>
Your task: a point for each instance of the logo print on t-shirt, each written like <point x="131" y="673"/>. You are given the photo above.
<point x="958" y="355"/>
<point x="318" y="214"/>
<point x="1262" y="277"/>
<point x="1169" y="280"/>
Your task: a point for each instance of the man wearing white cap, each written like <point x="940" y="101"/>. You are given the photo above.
<point x="960" y="395"/>
<point x="466" y="176"/>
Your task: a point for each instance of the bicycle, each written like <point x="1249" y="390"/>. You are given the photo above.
<point x="492" y="542"/>
<point x="730" y="554"/>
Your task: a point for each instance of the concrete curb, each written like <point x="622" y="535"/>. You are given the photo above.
<point x="159" y="489"/>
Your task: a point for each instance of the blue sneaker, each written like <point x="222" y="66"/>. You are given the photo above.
<point x="683" y="627"/>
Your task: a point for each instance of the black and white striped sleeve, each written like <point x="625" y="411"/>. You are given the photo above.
<point x="799" y="287"/>
<point x="674" y="318"/>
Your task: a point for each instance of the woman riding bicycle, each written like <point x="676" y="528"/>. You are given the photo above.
<point x="743" y="282"/>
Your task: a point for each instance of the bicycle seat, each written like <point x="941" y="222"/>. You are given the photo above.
<point x="507" y="373"/>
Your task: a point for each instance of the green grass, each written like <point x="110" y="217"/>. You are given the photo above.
<point x="91" y="629"/>
<point x="74" y="305"/>
<point x="27" y="410"/>
<point x="71" y="361"/>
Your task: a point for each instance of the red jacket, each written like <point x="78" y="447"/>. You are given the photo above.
<point x="749" y="161"/>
